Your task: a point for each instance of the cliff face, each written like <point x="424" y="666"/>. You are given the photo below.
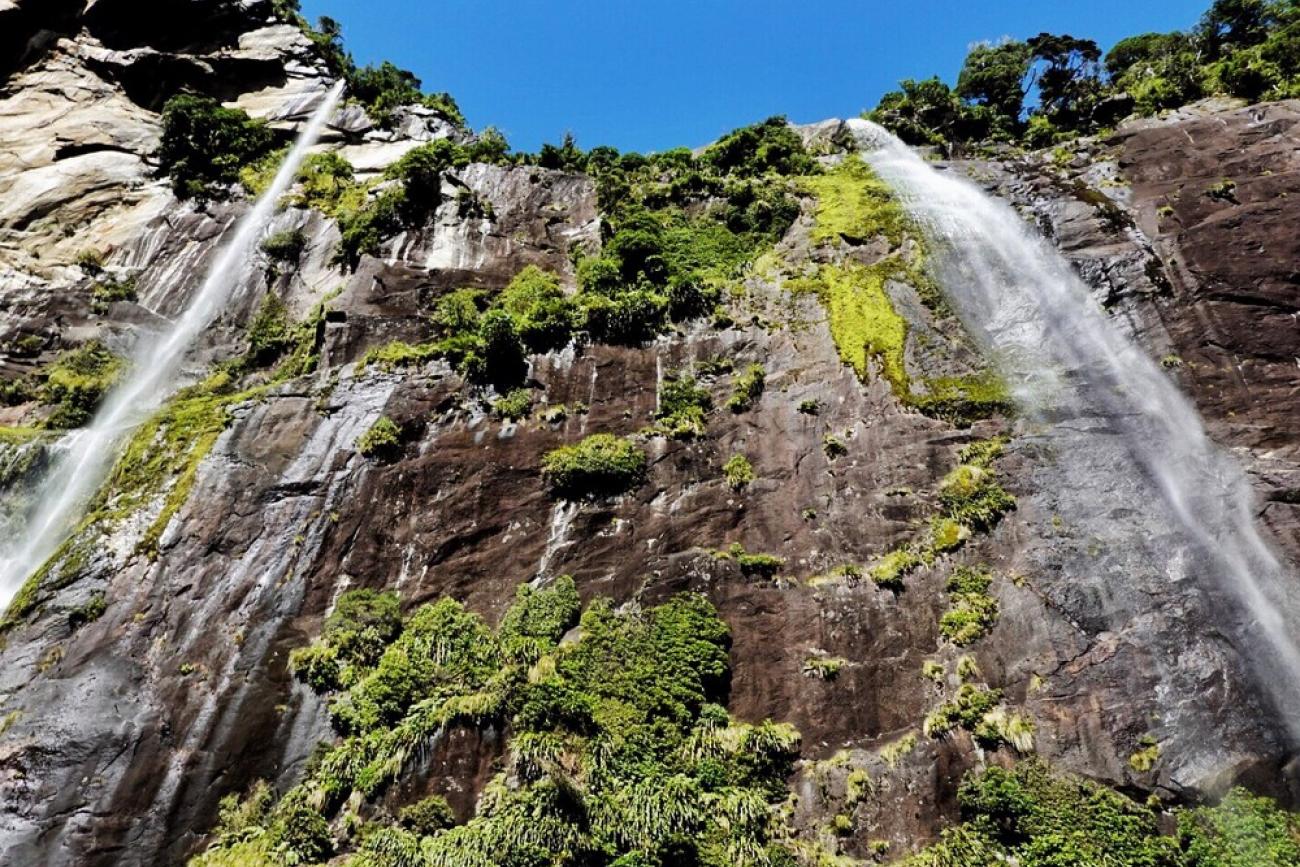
<point x="128" y="729"/>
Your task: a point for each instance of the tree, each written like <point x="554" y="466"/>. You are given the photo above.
<point x="994" y="76"/>
<point x="928" y="112"/>
<point x="1234" y="24"/>
<point x="1159" y="70"/>
<point x="1066" y="71"/>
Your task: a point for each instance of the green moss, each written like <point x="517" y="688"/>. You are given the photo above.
<point x="863" y="322"/>
<point x="964" y="400"/>
<point x="752" y="564"/>
<point x="398" y="354"/>
<point x="159" y="464"/>
<point x="1144" y="758"/>
<point x="738" y="471"/>
<point x="891" y="569"/>
<point x="382" y="441"/>
<point x="853" y="203"/>
<point x="970" y="494"/>
<point x="600" y="465"/>
<point x="17" y="436"/>
<point x="947" y="535"/>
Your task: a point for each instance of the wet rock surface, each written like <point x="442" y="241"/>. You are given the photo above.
<point x="130" y="728"/>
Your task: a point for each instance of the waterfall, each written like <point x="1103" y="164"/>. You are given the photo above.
<point x="1064" y="358"/>
<point x="86" y="455"/>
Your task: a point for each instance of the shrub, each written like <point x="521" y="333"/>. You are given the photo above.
<point x="427" y="816"/>
<point x="363" y="229"/>
<point x="747" y="389"/>
<point x="382" y="441"/>
<point x="77" y="381"/>
<point x="738" y="471"/>
<point x="600" y="465"/>
<point x="628" y="317"/>
<point x="967" y="710"/>
<point x="385" y="87"/>
<point x="270" y="332"/>
<point x="285" y="246"/>
<point x="971" y="495"/>
<point x="514" y="405"/>
<point x="499" y="358"/>
<point x="362" y="624"/>
<point x="890" y="570"/>
<point x="544" y="316"/>
<point x="325" y="181"/>
<point x="751" y="564"/>
<point x="763" y="148"/>
<point x="810" y="407"/>
<point x="834" y="447"/>
<point x="972" y="612"/>
<point x="90" y="260"/>
<point x="1224" y="190"/>
<point x="305" y="835"/>
<point x="822" y="667"/>
<point x="105" y="292"/>
<point x="683" y="407"/>
<point x="204" y="145"/>
<point x="420" y="171"/>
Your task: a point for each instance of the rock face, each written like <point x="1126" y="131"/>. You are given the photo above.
<point x="128" y="730"/>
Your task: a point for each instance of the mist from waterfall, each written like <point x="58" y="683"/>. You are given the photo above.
<point x="82" y="459"/>
<point x="1063" y="357"/>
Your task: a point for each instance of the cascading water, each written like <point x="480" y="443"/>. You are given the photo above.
<point x="84" y="457"/>
<point x="1066" y="359"/>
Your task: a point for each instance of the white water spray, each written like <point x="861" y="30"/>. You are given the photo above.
<point x="1064" y="357"/>
<point x="84" y="457"/>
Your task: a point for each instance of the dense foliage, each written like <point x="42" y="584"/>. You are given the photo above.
<point x="379" y="88"/>
<point x="1029" y="817"/>
<point x="1244" y="48"/>
<point x="77" y="381"/>
<point x="619" y="750"/>
<point x="597" y="466"/>
<point x="204" y="145"/>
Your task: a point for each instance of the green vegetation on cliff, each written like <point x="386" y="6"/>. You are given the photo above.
<point x="205" y="145"/>
<point x="854" y="206"/>
<point x="1028" y="816"/>
<point x="619" y="751"/>
<point x="1243" y="48"/>
<point x="600" y="465"/>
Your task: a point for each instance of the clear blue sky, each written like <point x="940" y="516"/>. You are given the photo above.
<point x="653" y="74"/>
